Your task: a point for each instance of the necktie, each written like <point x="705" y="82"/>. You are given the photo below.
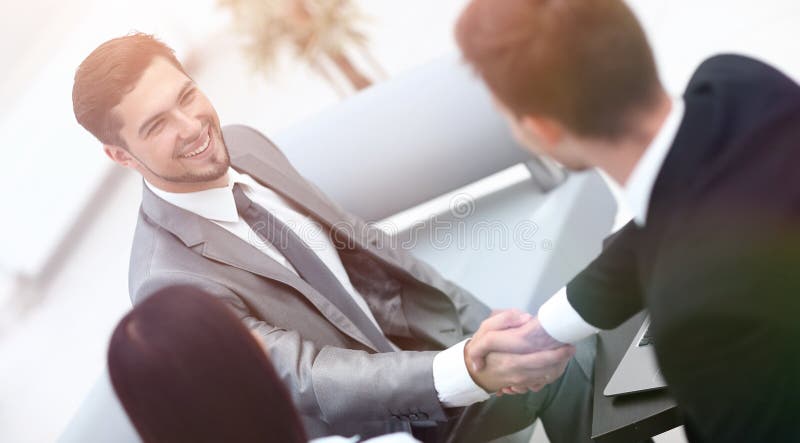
<point x="307" y="264"/>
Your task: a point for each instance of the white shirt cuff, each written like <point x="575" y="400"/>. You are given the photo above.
<point x="562" y="321"/>
<point x="452" y="381"/>
<point x="335" y="439"/>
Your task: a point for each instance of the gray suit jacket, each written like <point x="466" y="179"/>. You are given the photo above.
<point x="339" y="383"/>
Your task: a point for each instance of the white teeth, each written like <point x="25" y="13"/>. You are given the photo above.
<point x="198" y="150"/>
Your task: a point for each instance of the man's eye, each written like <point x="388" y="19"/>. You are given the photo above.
<point x="188" y="97"/>
<point x="156" y="126"/>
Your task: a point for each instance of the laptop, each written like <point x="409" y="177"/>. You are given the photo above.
<point x="638" y="370"/>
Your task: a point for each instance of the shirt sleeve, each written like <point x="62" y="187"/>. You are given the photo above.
<point x="397" y="437"/>
<point x="335" y="439"/>
<point x="452" y="381"/>
<point x="562" y="321"/>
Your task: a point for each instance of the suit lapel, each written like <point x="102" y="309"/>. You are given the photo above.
<point x="220" y="245"/>
<point x="342" y="225"/>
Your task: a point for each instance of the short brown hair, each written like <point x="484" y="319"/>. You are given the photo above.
<point x="107" y="74"/>
<point x="585" y="63"/>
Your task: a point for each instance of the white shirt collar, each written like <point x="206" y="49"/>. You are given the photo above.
<point x="640" y="184"/>
<point x="213" y="204"/>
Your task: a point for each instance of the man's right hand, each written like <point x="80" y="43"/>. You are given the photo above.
<point x="509" y="355"/>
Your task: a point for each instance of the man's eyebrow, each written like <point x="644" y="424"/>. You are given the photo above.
<point x="186" y="86"/>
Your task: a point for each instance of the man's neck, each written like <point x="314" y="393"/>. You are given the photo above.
<point x="619" y="159"/>
<point x="182" y="188"/>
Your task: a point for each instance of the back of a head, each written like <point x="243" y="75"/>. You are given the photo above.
<point x="186" y="369"/>
<point x="584" y="63"/>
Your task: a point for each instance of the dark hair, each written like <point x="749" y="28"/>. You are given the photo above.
<point x="185" y="368"/>
<point x="585" y="63"/>
<point x="107" y="74"/>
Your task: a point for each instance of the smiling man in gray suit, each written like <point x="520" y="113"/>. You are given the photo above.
<point x="367" y="338"/>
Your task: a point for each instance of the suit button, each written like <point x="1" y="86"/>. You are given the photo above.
<point x="413" y="417"/>
<point x="423" y="415"/>
<point x="396" y="417"/>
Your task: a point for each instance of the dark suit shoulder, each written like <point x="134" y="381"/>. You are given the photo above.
<point x="738" y="109"/>
<point x="742" y="75"/>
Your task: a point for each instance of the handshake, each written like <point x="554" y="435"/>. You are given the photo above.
<point x="512" y="354"/>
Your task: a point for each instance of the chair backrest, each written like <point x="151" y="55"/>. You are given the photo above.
<point x="404" y="141"/>
<point x="100" y="418"/>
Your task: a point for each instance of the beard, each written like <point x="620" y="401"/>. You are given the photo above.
<point x="215" y="168"/>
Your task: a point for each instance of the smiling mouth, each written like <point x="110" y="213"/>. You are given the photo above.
<point x="200" y="149"/>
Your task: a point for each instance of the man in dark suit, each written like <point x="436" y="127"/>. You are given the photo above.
<point x="368" y="339"/>
<point x="713" y="250"/>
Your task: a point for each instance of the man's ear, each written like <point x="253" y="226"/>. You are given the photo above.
<point x="548" y="131"/>
<point x="120" y="155"/>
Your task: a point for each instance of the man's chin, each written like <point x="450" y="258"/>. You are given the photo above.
<point x="217" y="172"/>
<point x="577" y="167"/>
<point x="214" y="172"/>
<point x="573" y="165"/>
<point x="218" y="166"/>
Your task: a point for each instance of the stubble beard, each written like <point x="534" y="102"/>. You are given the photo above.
<point x="217" y="167"/>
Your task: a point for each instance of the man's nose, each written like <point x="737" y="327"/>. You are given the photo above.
<point x="189" y="127"/>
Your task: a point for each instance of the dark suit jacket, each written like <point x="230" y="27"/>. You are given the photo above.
<point x="339" y="383"/>
<point x="718" y="261"/>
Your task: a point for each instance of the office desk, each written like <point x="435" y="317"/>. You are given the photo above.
<point x="627" y="418"/>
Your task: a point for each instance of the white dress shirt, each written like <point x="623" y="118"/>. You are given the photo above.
<point x="397" y="437"/>
<point x="557" y="316"/>
<point x="452" y="381"/>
